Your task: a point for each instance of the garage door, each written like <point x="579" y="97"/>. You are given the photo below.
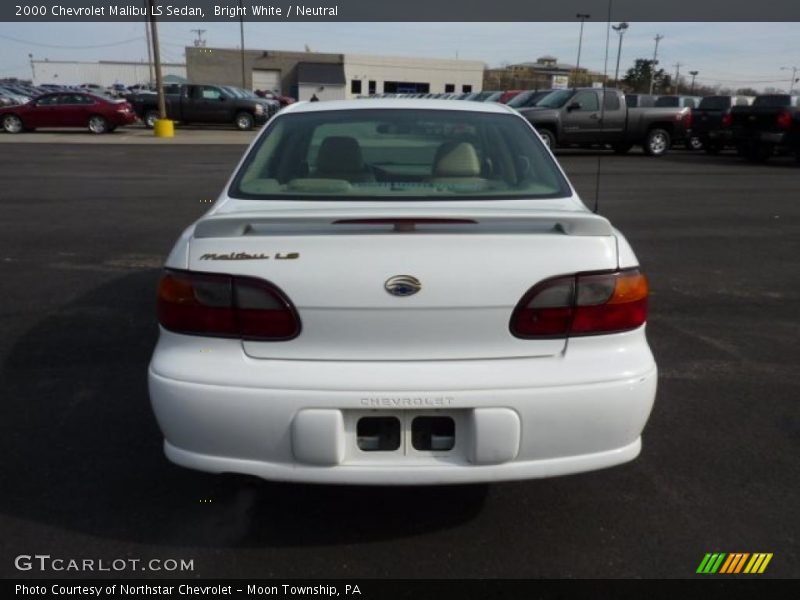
<point x="267" y="80"/>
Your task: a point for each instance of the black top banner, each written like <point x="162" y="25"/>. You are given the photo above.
<point x="394" y="11"/>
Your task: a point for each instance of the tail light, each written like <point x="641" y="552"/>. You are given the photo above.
<point x="785" y="119"/>
<point x="727" y="120"/>
<point x="225" y="306"/>
<point x="687" y="120"/>
<point x="583" y="304"/>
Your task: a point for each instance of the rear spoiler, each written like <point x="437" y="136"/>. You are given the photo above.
<point x="377" y="220"/>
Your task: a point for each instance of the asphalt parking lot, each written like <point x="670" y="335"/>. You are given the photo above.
<point x="83" y="231"/>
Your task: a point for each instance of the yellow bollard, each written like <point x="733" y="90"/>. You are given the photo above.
<point x="164" y="128"/>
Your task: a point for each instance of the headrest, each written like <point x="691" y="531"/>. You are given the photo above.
<point x="339" y="154"/>
<point x="456" y="159"/>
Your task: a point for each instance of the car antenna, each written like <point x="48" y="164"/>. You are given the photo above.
<point x="602" y="109"/>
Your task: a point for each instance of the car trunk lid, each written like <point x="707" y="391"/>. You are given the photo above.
<point x="473" y="268"/>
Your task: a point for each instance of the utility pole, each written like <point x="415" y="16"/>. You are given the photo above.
<point x="659" y="37"/>
<point x="582" y="17"/>
<point x="199" y="42"/>
<point x="241" y="35"/>
<point x="33" y="69"/>
<point x="149" y="46"/>
<point x="794" y="79"/>
<point x="677" y="78"/>
<point x="162" y="107"/>
<point x="693" y="74"/>
<point x="620" y="29"/>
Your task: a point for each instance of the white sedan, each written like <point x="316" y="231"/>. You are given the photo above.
<point x="401" y="292"/>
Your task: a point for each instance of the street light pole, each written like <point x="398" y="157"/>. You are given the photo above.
<point x="794" y="71"/>
<point x="659" y="37"/>
<point x="677" y="79"/>
<point x="693" y="74"/>
<point x="582" y="17"/>
<point x="620" y="29"/>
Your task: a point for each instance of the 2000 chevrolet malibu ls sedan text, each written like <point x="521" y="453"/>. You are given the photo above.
<point x="401" y="292"/>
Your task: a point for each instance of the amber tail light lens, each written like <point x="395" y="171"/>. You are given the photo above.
<point x="582" y="304"/>
<point x="218" y="305"/>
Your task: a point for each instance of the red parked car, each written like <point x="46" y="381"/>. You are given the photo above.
<point x="68" y="109"/>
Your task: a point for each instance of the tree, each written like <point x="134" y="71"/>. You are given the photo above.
<point x="637" y="78"/>
<point x="746" y="91"/>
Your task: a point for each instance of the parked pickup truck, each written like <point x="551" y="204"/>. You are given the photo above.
<point x="709" y="120"/>
<point x="770" y="125"/>
<point x="574" y="118"/>
<point x="201" y="103"/>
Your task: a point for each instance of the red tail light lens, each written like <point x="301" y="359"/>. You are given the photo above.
<point x="727" y="120"/>
<point x="585" y="304"/>
<point x="225" y="306"/>
<point x="785" y="119"/>
<point x="687" y="121"/>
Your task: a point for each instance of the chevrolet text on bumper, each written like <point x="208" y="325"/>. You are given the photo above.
<point x="394" y="292"/>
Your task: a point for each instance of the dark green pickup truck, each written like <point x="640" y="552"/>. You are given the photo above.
<point x="201" y="103"/>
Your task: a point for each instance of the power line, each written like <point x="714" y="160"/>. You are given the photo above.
<point x="13" y="68"/>
<point x="120" y="43"/>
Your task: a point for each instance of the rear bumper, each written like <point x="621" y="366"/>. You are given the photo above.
<point x="125" y="118"/>
<point x="719" y="136"/>
<point x="746" y="137"/>
<point x="222" y="411"/>
<point x="406" y="475"/>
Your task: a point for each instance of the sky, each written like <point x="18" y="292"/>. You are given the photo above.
<point x="728" y="54"/>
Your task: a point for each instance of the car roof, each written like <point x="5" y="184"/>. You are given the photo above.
<point x="72" y="93"/>
<point x="397" y="103"/>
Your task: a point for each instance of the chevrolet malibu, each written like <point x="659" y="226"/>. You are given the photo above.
<point x="68" y="109"/>
<point x="401" y="292"/>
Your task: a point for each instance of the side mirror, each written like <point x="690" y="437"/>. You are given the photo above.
<point x="222" y="98"/>
<point x="573" y="106"/>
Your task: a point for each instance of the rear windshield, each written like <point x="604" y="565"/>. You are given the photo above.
<point x="640" y="101"/>
<point x="398" y="154"/>
<point x="774" y="101"/>
<point x="716" y="103"/>
<point x="672" y="101"/>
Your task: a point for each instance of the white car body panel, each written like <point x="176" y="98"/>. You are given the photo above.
<point x="522" y="408"/>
